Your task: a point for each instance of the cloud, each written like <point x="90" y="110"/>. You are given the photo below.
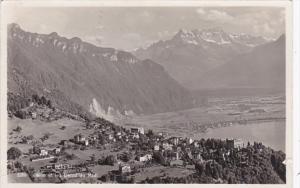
<point x="264" y="29"/>
<point x="97" y="40"/>
<point x="214" y="15"/>
<point x="268" y="22"/>
<point x="129" y="41"/>
<point x="147" y="16"/>
<point x="219" y="15"/>
<point x="200" y="11"/>
<point x="164" y="34"/>
<point x="282" y="16"/>
<point x="100" y="27"/>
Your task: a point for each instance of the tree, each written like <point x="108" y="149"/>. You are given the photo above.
<point x="45" y="137"/>
<point x="35" y="98"/>
<point x="70" y="156"/>
<point x="18" y="129"/>
<point x="125" y="157"/>
<point x="20" y="114"/>
<point x="150" y="133"/>
<point x="49" y="104"/>
<point x="110" y="160"/>
<point x="93" y="158"/>
<point x="277" y="163"/>
<point x="13" y="153"/>
<point x="200" y="167"/>
<point x="159" y="158"/>
<point x="43" y="100"/>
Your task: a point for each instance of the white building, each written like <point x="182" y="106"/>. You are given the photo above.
<point x="196" y="144"/>
<point x="110" y="137"/>
<point x="137" y="130"/>
<point x="43" y="152"/>
<point x="156" y="148"/>
<point x="79" y="138"/>
<point x="57" y="150"/>
<point x="33" y="115"/>
<point x="238" y="143"/>
<point x="135" y="136"/>
<point x="145" y="158"/>
<point x="167" y="146"/>
<point x="124" y="169"/>
<point x="190" y="141"/>
<point x="174" y="140"/>
<point x="119" y="134"/>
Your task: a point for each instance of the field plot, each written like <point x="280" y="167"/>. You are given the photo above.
<point x="38" y="129"/>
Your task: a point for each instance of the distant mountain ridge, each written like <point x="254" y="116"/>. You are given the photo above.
<point x="219" y="36"/>
<point x="104" y="81"/>
<point x="263" y="67"/>
<point x="189" y="54"/>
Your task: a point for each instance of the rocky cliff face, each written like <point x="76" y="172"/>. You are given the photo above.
<point x="102" y="80"/>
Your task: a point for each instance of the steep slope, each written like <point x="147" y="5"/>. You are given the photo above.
<point x="190" y="54"/>
<point x="263" y="67"/>
<point x="104" y="81"/>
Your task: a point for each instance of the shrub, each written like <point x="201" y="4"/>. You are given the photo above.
<point x="13" y="153"/>
<point x="18" y="129"/>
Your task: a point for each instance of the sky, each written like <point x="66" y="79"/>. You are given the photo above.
<point x="128" y="28"/>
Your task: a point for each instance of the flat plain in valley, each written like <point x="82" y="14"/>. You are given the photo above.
<point x="220" y="113"/>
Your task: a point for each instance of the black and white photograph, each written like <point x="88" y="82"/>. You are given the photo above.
<point x="147" y="94"/>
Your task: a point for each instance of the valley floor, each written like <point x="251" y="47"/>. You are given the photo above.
<point x="239" y="114"/>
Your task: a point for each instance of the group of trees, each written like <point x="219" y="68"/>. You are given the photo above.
<point x="159" y="158"/>
<point x="26" y="139"/>
<point x="210" y="169"/>
<point x="125" y="156"/>
<point x="253" y="164"/>
<point x="215" y="173"/>
<point x="108" y="160"/>
<point x="264" y="167"/>
<point x="193" y="178"/>
<point x="13" y="153"/>
<point x="46" y="136"/>
<point x="17" y="102"/>
<point x="277" y="159"/>
<point x="41" y="100"/>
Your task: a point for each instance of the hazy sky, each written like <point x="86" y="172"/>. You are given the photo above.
<point x="130" y="28"/>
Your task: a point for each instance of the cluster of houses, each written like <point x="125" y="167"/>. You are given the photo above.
<point x="40" y="153"/>
<point x="45" y="113"/>
<point x="145" y="149"/>
<point x="173" y="149"/>
<point x="65" y="170"/>
<point x="107" y="134"/>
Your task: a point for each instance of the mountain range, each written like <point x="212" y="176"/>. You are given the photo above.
<point x="193" y="57"/>
<point x="160" y="78"/>
<point x="104" y="81"/>
<point x="263" y="67"/>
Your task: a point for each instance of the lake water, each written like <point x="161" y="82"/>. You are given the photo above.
<point x="271" y="134"/>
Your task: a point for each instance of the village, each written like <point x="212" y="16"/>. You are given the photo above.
<point x="99" y="151"/>
<point x="132" y="151"/>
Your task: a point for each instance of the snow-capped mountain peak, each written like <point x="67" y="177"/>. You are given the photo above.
<point x="193" y="52"/>
<point x="217" y="36"/>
